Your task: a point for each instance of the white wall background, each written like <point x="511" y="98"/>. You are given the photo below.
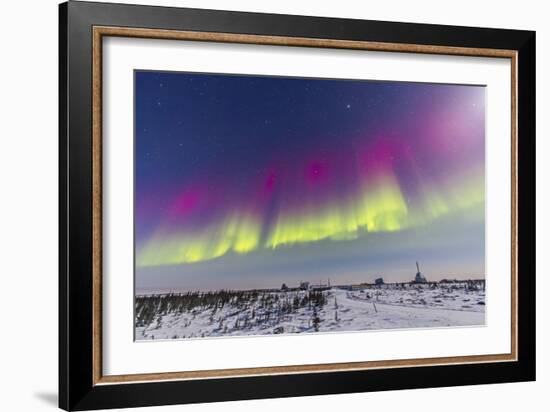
<point x="28" y="203"/>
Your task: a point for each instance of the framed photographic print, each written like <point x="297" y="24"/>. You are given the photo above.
<point x="257" y="205"/>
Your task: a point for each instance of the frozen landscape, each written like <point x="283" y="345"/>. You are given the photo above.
<point x="305" y="309"/>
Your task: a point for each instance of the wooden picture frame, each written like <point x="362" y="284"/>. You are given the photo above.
<point x="82" y="384"/>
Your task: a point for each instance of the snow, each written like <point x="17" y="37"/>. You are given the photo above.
<point x="274" y="312"/>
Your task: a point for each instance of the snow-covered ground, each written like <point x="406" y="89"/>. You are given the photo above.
<point x="261" y="313"/>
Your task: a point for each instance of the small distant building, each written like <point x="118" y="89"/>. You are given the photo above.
<point x="419" y="278"/>
<point x="304" y="285"/>
<point x="284" y="287"/>
<point x="345" y="287"/>
<point x="362" y="286"/>
<point x="321" y="286"/>
<point x="379" y="281"/>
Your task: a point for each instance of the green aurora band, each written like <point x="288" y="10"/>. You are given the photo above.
<point x="380" y="206"/>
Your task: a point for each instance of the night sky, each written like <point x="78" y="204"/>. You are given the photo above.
<point x="252" y="181"/>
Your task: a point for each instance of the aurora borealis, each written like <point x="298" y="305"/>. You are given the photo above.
<point x="250" y="181"/>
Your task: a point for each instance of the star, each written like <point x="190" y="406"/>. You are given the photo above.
<point x="348" y="106"/>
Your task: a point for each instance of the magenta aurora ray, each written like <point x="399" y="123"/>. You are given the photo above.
<point x="251" y="181"/>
